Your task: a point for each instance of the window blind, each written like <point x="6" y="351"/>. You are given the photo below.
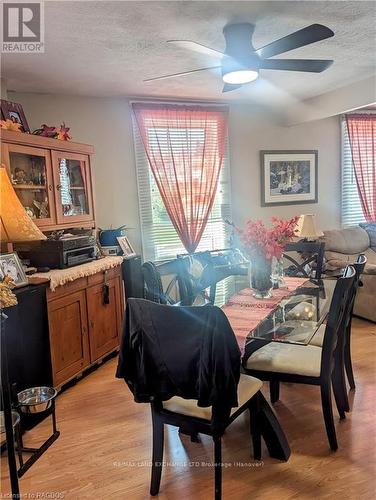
<point x="352" y="213"/>
<point x="159" y="239"/>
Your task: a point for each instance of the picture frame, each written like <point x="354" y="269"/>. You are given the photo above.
<point x="10" y="265"/>
<point x="126" y="246"/>
<point x="14" y="111"/>
<point x="289" y="177"/>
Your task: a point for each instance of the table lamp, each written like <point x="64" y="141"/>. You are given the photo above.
<point x="15" y="225"/>
<point x="306" y="228"/>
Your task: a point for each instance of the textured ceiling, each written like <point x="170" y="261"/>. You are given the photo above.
<point x="108" y="48"/>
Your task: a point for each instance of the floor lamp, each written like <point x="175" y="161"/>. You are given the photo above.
<point x="15" y="226"/>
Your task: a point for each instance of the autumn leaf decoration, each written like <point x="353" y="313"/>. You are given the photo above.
<point x="62" y="134"/>
<point x="54" y="132"/>
<point x="10" y="125"/>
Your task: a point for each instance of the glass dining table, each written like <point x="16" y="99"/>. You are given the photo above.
<point x="293" y="318"/>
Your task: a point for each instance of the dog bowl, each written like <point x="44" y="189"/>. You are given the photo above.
<point x="36" y="399"/>
<point x="15" y="420"/>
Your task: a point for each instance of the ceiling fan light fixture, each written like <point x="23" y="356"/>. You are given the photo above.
<point x="240" y="76"/>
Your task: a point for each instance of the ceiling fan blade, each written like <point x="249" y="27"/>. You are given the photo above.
<point x="310" y="34"/>
<point x="197" y="47"/>
<point x="173" y="75"/>
<point x="228" y="87"/>
<point x="307" y="65"/>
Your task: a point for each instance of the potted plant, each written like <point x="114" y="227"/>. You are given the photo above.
<point x="262" y="244"/>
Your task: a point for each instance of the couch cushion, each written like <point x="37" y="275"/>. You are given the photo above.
<point x="370" y="227"/>
<point x="351" y="240"/>
<point x="287" y="358"/>
<point x="247" y="388"/>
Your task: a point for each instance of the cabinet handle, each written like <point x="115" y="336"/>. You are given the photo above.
<point x="50" y="187"/>
<point x="58" y="186"/>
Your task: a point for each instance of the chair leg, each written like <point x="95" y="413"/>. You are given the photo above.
<point x="347" y="356"/>
<point x="339" y="388"/>
<point x="326" y="401"/>
<point x="255" y="427"/>
<point x="272" y="431"/>
<point x="158" y="440"/>
<point x="274" y="391"/>
<point x="217" y="468"/>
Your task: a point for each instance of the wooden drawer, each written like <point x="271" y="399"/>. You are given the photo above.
<point x="101" y="277"/>
<point x="68" y="288"/>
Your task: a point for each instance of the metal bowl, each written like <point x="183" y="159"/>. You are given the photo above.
<point x="36" y="399"/>
<point x="15" y="421"/>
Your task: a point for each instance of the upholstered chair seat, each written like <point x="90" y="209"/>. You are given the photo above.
<point x="247" y="388"/>
<point x="287" y="358"/>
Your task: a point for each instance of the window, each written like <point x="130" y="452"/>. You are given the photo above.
<point x="159" y="238"/>
<point x="352" y="212"/>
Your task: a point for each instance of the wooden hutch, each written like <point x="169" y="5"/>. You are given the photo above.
<point x="53" y="181"/>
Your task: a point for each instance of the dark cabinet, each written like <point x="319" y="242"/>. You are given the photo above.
<point x="27" y="342"/>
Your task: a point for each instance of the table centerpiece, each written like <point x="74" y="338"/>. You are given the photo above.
<point x="262" y="244"/>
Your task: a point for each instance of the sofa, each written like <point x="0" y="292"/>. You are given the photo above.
<point x="342" y="246"/>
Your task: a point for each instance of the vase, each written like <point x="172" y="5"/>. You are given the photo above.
<point x="261" y="277"/>
<point x="278" y="273"/>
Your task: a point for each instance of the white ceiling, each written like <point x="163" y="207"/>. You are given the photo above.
<point x="109" y="47"/>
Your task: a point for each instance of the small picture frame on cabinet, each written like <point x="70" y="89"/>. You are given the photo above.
<point x="126" y="246"/>
<point x="14" y="111"/>
<point x="10" y="265"/>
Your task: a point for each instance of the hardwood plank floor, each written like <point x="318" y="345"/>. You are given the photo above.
<point x="104" y="449"/>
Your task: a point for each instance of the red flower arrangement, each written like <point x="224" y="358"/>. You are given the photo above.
<point x="260" y="241"/>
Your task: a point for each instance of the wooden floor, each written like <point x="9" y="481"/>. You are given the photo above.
<point x="105" y="446"/>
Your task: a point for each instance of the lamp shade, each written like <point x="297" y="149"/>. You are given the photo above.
<point x="15" y="224"/>
<point x="306" y="227"/>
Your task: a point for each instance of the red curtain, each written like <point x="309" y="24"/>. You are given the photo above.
<point x="362" y="136"/>
<point x="185" y="146"/>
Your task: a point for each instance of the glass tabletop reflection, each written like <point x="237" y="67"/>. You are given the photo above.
<point x="297" y="317"/>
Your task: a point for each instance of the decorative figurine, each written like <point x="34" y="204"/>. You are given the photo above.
<point x="42" y="206"/>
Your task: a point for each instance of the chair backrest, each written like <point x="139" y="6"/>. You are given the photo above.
<point x="359" y="266"/>
<point x="312" y="257"/>
<point x="162" y="282"/>
<point x="216" y="265"/>
<point x="196" y="272"/>
<point x="340" y="309"/>
<point x="189" y="352"/>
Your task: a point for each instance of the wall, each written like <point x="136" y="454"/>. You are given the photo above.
<point x="251" y="131"/>
<point x="106" y="123"/>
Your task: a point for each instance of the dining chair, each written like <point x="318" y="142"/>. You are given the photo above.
<point x="162" y="282"/>
<point x="318" y="338"/>
<point x="312" y="258"/>
<point x="169" y="374"/>
<point x="204" y="270"/>
<point x="308" y="364"/>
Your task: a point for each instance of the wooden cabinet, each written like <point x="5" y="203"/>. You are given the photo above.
<point x="52" y="179"/>
<point x="69" y="341"/>
<point x="85" y="322"/>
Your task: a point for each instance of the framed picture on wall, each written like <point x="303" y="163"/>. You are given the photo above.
<point x="289" y="177"/>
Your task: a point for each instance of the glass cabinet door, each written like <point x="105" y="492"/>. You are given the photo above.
<point x="72" y="187"/>
<point x="31" y="177"/>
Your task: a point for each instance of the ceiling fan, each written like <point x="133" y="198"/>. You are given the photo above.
<point x="241" y="62"/>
